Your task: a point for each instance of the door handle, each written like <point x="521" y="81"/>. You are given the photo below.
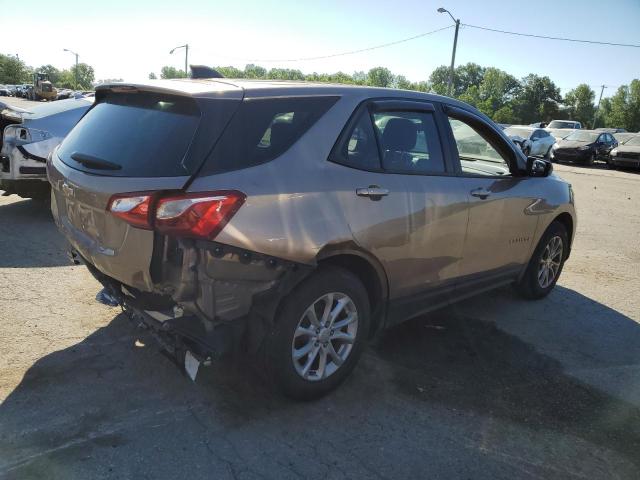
<point x="374" y="192"/>
<point x="481" y="193"/>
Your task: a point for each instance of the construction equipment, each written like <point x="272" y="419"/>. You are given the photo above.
<point x="42" y="88"/>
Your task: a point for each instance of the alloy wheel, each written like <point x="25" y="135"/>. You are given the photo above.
<point x="550" y="262"/>
<point x="324" y="336"/>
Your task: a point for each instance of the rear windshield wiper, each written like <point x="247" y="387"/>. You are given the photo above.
<point x="94" y="162"/>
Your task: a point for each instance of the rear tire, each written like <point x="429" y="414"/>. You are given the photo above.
<point x="591" y="160"/>
<point x="301" y="326"/>
<point x="546" y="263"/>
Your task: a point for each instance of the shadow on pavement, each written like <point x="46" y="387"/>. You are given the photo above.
<point x="460" y="361"/>
<point x="30" y="220"/>
<point x="421" y="401"/>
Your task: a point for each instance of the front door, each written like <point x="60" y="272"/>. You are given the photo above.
<point x="402" y="200"/>
<point x="502" y="219"/>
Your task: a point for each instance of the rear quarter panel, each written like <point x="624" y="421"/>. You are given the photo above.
<point x="292" y="209"/>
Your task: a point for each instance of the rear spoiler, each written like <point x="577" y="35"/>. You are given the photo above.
<point x="202" y="71"/>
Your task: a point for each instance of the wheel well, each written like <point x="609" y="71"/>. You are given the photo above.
<point x="369" y="277"/>
<point x="566" y="220"/>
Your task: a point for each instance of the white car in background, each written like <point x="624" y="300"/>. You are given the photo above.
<point x="532" y="141"/>
<point x="28" y="136"/>
<point x="568" y="124"/>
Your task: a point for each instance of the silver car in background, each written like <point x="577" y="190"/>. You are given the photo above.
<point x="531" y="140"/>
<point x="28" y="137"/>
<point x="291" y="221"/>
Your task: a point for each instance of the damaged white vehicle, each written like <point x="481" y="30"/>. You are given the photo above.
<point x="28" y="136"/>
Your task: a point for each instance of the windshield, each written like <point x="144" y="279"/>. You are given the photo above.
<point x="623" y="137"/>
<point x="561" y="124"/>
<point x="633" y="141"/>
<point x="518" y="132"/>
<point x="579" y="136"/>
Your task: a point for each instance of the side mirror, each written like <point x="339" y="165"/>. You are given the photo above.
<point x="537" y="167"/>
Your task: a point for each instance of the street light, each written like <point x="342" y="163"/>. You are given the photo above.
<point x="70" y="51"/>
<point x="453" y="54"/>
<point x="186" y="56"/>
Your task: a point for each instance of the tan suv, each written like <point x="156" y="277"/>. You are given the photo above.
<point x="293" y="221"/>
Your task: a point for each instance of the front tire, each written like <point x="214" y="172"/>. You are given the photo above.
<point x="319" y="334"/>
<point x="546" y="263"/>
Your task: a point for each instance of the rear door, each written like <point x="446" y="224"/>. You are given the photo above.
<point x="132" y="140"/>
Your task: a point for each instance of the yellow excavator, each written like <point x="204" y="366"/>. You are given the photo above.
<point x="42" y="88"/>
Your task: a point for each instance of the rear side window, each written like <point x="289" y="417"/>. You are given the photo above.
<point x="262" y="129"/>
<point x="409" y="142"/>
<point x="144" y="135"/>
<point x="361" y="150"/>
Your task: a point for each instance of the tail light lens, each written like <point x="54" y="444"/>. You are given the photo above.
<point x="132" y="208"/>
<point x="194" y="215"/>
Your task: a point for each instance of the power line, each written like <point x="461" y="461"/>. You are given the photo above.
<point x="553" y="38"/>
<point x="350" y="52"/>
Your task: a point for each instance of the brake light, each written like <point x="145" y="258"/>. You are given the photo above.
<point x="194" y="215"/>
<point x="132" y="208"/>
<point x="197" y="215"/>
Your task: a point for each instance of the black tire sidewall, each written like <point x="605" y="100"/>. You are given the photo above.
<point x="529" y="285"/>
<point x="278" y="345"/>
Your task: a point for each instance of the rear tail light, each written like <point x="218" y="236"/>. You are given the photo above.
<point x="132" y="208"/>
<point x="193" y="215"/>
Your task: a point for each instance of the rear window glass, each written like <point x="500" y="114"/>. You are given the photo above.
<point x="263" y="129"/>
<point x="145" y="135"/>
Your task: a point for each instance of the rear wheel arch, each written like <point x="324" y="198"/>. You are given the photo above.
<point x="369" y="271"/>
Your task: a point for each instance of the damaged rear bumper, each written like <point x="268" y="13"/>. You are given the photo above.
<point x="210" y="298"/>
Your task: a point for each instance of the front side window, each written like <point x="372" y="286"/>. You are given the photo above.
<point x="409" y="142"/>
<point x="477" y="155"/>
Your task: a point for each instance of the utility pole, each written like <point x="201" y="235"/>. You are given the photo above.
<point x="186" y="57"/>
<point x="453" y="54"/>
<point x="595" y="115"/>
<point x="74" y="53"/>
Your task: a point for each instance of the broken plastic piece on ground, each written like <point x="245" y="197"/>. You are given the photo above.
<point x="191" y="365"/>
<point x="106" y="299"/>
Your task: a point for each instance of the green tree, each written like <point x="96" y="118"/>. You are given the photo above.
<point x="13" y="70"/>
<point x="633" y="120"/>
<point x="359" y="78"/>
<point x="230" y="72"/>
<point x="53" y="72"/>
<point x="172" y="72"/>
<point x="538" y="99"/>
<point x="254" y="71"/>
<point x="439" y="79"/>
<point x="466" y="76"/>
<point x="152" y="76"/>
<point x="380" y="77"/>
<point x="86" y="76"/>
<point x="497" y="89"/>
<point x="579" y="104"/>
<point x="618" y="114"/>
<point x="284" y="74"/>
<point x="402" y="83"/>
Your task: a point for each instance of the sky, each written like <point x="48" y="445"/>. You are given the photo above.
<point x="129" y="39"/>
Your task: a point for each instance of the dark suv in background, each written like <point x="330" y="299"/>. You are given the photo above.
<point x="292" y="221"/>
